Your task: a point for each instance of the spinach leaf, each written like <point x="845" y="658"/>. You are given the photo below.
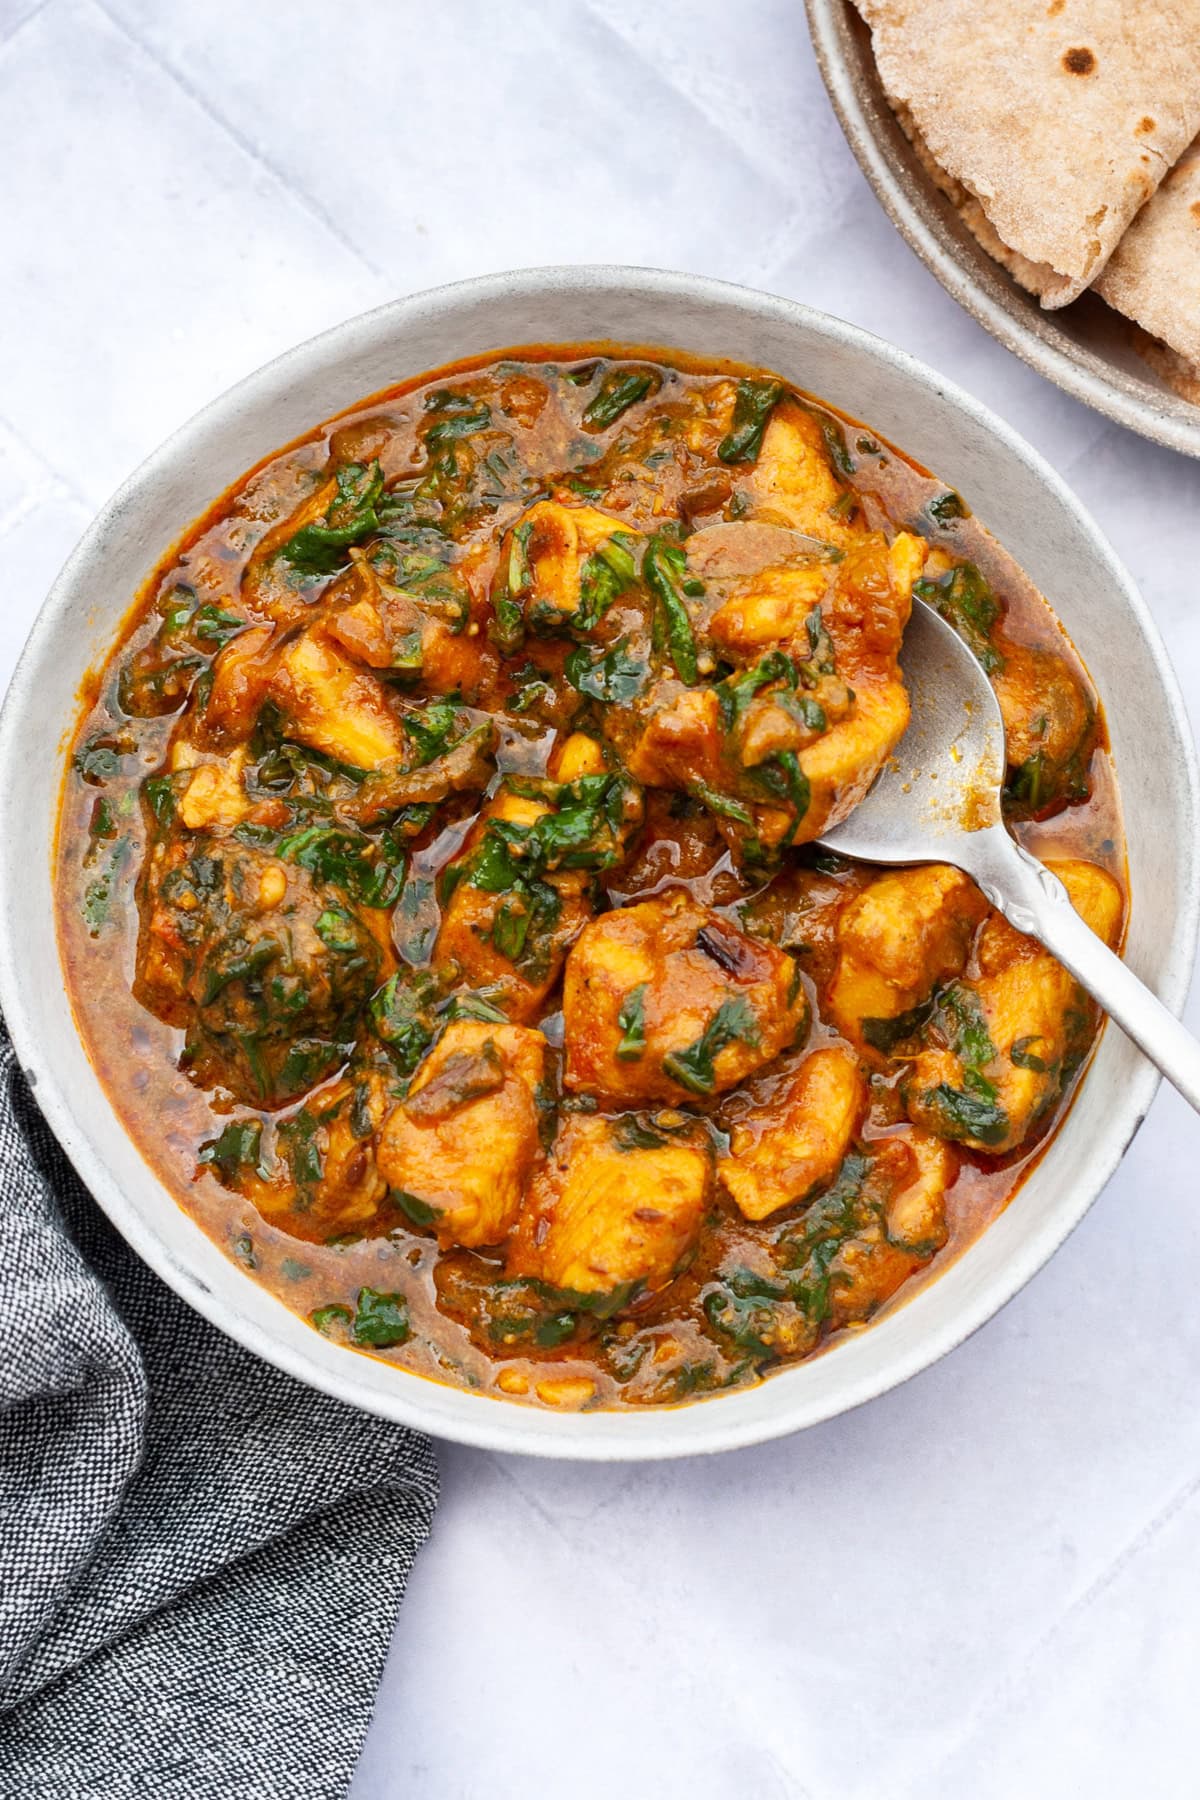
<point x="1028" y="784"/>
<point x="457" y="416"/>
<point x="612" y="676"/>
<point x="735" y="693"/>
<point x="338" y="931"/>
<point x="665" y="568"/>
<point x="965" y="600"/>
<point x="380" y="1320"/>
<point x="212" y="626"/>
<point x="99" y="893"/>
<point x="604" y="576"/>
<point x="724" y="805"/>
<point x="419" y="1211"/>
<point x="325" y="1318"/>
<point x="402" y="1013"/>
<point x="1022" y="1055"/>
<point x="752" y="408"/>
<point x="786" y="781"/>
<point x="963" y="1114"/>
<point x="835" y="443"/>
<point x="958" y="1017"/>
<point x="297" y="1138"/>
<point x="619" y="390"/>
<point x="514" y="578"/>
<point x="238" y="1147"/>
<point x="99" y="761"/>
<point x="693" y="1068"/>
<point x="632" y="1022"/>
<point x="370" y="870"/>
<point x="319" y="548"/>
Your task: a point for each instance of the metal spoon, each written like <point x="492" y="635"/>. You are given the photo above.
<point x="938" y="800"/>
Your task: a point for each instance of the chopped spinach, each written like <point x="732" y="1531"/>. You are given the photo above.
<point x="610" y="676"/>
<point x="380" y="1320"/>
<point x="733" y="1021"/>
<point x="965" y="600"/>
<point x="619" y="390"/>
<point x="320" y="548"/>
<point x="402" y="1013"/>
<point x="632" y="1022"/>
<point x="753" y="405"/>
<point x="237" y="1149"/>
<point x="960" y="1113"/>
<point x="665" y="569"/>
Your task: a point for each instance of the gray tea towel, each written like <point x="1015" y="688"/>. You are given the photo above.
<point x="200" y="1559"/>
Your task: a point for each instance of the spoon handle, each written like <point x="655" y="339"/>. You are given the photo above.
<point x="1035" y="901"/>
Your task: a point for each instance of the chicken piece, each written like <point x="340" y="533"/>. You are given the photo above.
<point x="421" y="635"/>
<point x="916" y="1209"/>
<point x="768" y="608"/>
<point x="546" y="573"/>
<point x="514" y="899"/>
<point x="897" y="940"/>
<point x="459" y="1150"/>
<point x="264" y="967"/>
<point x="1049" y="726"/>
<point x="214" y="796"/>
<point x="270" y="585"/>
<point x="771" y="605"/>
<point x="795" y="1143"/>
<point x="865" y="614"/>
<point x="323" y="1181"/>
<point x="241" y="677"/>
<point x="580" y="755"/>
<point x="784" y="750"/>
<point x="840" y="1258"/>
<point x="906" y="1184"/>
<point x="841" y="766"/>
<point x="617" y="1208"/>
<point x="333" y="706"/>
<point x="1006" y="1042"/>
<point x="793" y="482"/>
<point x="667" y="999"/>
<point x="467" y="951"/>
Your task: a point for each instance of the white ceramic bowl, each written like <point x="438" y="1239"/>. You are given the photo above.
<point x="1010" y="488"/>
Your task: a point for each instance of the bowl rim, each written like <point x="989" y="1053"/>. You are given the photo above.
<point x="486" y="1421"/>
<point x="925" y="219"/>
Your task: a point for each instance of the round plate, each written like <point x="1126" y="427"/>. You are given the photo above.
<point x="1086" y="347"/>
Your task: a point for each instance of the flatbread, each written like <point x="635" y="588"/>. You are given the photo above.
<point x="1055" y="119"/>
<point x="1153" y="275"/>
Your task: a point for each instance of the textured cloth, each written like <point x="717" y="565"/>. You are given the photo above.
<point x="200" y="1559"/>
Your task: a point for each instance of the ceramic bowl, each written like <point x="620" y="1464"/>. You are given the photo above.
<point x="1086" y="348"/>
<point x="1011" y="489"/>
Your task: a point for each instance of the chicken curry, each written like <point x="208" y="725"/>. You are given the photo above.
<point x="440" y="901"/>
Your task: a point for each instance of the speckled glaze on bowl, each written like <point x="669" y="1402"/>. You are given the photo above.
<point x="1012" y="490"/>
<point x="1086" y="348"/>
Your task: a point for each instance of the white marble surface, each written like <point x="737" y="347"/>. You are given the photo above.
<point x="987" y="1583"/>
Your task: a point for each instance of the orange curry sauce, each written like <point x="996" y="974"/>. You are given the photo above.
<point x="436" y="899"/>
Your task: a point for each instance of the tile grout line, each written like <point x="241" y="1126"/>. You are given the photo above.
<point x="768" y="176"/>
<point x="248" y="148"/>
<point x="14" y="31"/>
<point x="55" y="474"/>
<point x="1141" y="1539"/>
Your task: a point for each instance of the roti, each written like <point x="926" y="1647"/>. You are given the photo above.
<point x="1153" y="276"/>
<point x="1051" y="123"/>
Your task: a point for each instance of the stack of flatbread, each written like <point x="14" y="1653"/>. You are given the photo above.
<point x="1065" y="132"/>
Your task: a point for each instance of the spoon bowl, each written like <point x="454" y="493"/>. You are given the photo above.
<point x="937" y="799"/>
<point x="944" y="778"/>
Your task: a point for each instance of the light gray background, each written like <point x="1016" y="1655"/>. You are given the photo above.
<point x="987" y="1583"/>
